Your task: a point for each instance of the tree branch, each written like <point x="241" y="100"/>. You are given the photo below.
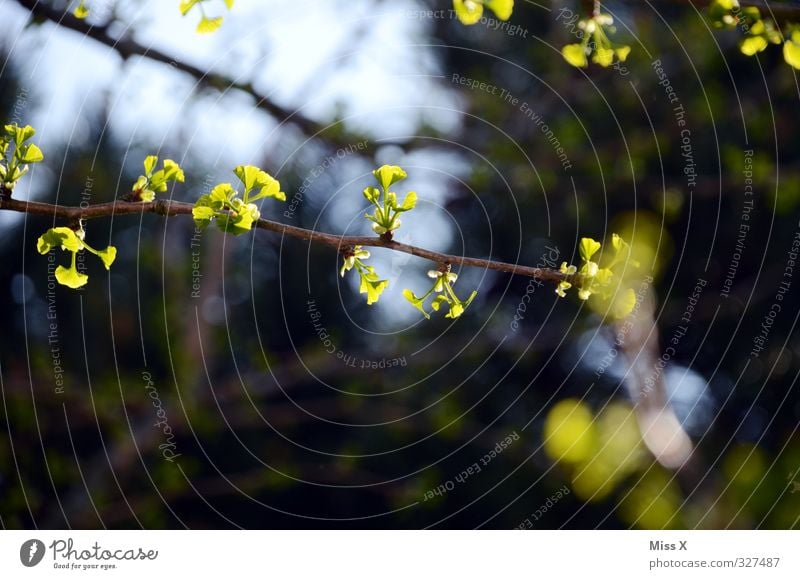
<point x="126" y="47"/>
<point x="169" y="208"/>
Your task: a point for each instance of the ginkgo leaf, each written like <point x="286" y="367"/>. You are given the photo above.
<point x="791" y="50"/>
<point x="81" y="11"/>
<point x="30" y="154"/>
<point x="501" y="8"/>
<point x="388" y="175"/>
<point x="71" y="277"/>
<point x="62" y="237"/>
<point x="588" y="247"/>
<point x="409" y="202"/>
<point x="575" y="54"/>
<point x="752" y="45"/>
<point x="416" y="302"/>
<point x="250" y="176"/>
<point x="209" y="25"/>
<point x="187" y="5"/>
<point x="624" y="303"/>
<point x="469" y="12"/>
<point x="603" y="56"/>
<point x="149" y="164"/>
<point x="107" y="256"/>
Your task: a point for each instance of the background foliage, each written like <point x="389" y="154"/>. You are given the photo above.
<point x="266" y="393"/>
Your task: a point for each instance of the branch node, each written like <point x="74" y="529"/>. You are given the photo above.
<point x="161" y="207"/>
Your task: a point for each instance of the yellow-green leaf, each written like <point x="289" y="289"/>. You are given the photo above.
<point x="409" y="202"/>
<point x="468" y="11"/>
<point x="588" y="248"/>
<point x="108" y="255"/>
<point x="81" y="11"/>
<point x="624" y="303"/>
<point x="575" y="54"/>
<point x="209" y="25"/>
<point x="622" y="52"/>
<point x="501" y="8"/>
<point x="187" y="5"/>
<point x="416" y="302"/>
<point x="62" y="237"/>
<point x="752" y="45"/>
<point x="603" y="56"/>
<point x="150" y="164"/>
<point x="791" y="50"/>
<point x="31" y="154"/>
<point x="71" y="277"/>
<point x="388" y="175"/>
<point x="373" y="289"/>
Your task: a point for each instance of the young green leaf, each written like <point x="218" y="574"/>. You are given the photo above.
<point x="575" y="54"/>
<point x="588" y="247"/>
<point x="501" y="8"/>
<point x="59" y="237"/>
<point x="409" y="202"/>
<point x="418" y="302"/>
<point x="71" y="277"/>
<point x="187" y="5"/>
<point x="469" y="12"/>
<point x="81" y="10"/>
<point x="150" y="163"/>
<point x="30" y="154"/>
<point x="208" y="25"/>
<point x="232" y="213"/>
<point x="107" y="255"/>
<point x="151" y="182"/>
<point x="791" y="48"/>
<point x="388" y="175"/>
<point x="72" y="241"/>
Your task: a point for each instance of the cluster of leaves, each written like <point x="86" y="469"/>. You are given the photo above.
<point x="385" y="218"/>
<point x="67" y="239"/>
<point x="15" y="161"/>
<point x="593" y="280"/>
<point x="371" y="283"/>
<point x="594" y="33"/>
<point x="759" y="33"/>
<point x="384" y="221"/>
<point x="234" y="214"/>
<point x="442" y="289"/>
<point x="207" y="23"/>
<point x="153" y="181"/>
<point x="596" y="44"/>
<point x="470" y="11"/>
<point x="73" y="242"/>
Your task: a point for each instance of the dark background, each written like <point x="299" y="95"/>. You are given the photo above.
<point x="273" y="431"/>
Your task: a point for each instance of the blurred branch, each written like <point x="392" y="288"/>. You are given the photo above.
<point x="170" y="208"/>
<point x="127" y="47"/>
<point x="661" y="429"/>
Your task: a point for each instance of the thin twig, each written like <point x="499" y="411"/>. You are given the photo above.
<point x="339" y="242"/>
